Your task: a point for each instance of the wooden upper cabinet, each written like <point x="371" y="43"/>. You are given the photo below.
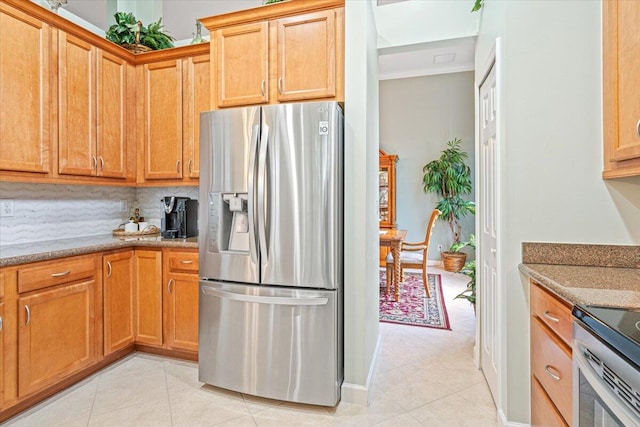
<point x="196" y="99"/>
<point x="161" y="84"/>
<point x="289" y="51"/>
<point x="111" y="113"/>
<point x="25" y="91"/>
<point x="306" y="56"/>
<point x="241" y="64"/>
<point x="76" y="106"/>
<point x="621" y="88"/>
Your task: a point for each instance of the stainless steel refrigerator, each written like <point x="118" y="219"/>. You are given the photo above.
<point x="271" y="241"/>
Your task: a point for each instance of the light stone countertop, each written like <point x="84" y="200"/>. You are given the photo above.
<point x="589" y="285"/>
<point x="42" y="251"/>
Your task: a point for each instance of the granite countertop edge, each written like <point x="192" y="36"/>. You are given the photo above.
<point x="588" y="285"/>
<point x="105" y="243"/>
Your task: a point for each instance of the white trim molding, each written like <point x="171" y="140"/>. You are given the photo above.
<point x="361" y="394"/>
<point x="503" y="422"/>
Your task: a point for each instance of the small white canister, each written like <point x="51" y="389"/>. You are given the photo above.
<point x="131" y="226"/>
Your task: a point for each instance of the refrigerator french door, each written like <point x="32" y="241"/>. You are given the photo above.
<point x="271" y="251"/>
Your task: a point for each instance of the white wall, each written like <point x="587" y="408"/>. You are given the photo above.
<point x="418" y="116"/>
<point x="418" y="21"/>
<point x="360" y="193"/>
<point x="552" y="154"/>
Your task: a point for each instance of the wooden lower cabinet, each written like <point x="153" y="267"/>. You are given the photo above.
<point x="148" y="298"/>
<point x="56" y="334"/>
<point x="1" y="354"/>
<point x="551" y="363"/>
<point x="118" y="292"/>
<point x="543" y="411"/>
<point x="181" y="300"/>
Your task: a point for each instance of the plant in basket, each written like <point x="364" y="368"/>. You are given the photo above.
<point x="450" y="177"/>
<point x="131" y="34"/>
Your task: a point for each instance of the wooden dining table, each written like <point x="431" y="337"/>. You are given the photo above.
<point x="393" y="238"/>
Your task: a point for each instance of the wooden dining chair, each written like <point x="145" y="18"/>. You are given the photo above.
<point x="413" y="255"/>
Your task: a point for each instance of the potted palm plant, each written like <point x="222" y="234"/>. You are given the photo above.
<point x="132" y="35"/>
<point x="450" y="178"/>
<point x="469" y="293"/>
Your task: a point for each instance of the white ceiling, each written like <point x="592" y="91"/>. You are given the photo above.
<point x="446" y="56"/>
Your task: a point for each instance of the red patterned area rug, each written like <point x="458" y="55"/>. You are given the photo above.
<point x="414" y="308"/>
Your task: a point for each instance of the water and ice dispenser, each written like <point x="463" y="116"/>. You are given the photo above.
<point x="228" y="222"/>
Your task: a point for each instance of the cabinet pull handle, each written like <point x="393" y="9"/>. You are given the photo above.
<point x="550" y="317"/>
<point x="64" y="273"/>
<point x="108" y="268"/>
<point x="186" y="261"/>
<point x="169" y="285"/>
<point x="548" y="369"/>
<point x="94" y="163"/>
<point x="262" y="87"/>
<point x="190" y="166"/>
<point x="280" y="85"/>
<point x="178" y="166"/>
<point x="101" y="164"/>
<point x="26" y="307"/>
<point x="1" y="322"/>
<point x="638" y="128"/>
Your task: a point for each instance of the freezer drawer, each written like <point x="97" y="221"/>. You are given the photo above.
<point x="279" y="343"/>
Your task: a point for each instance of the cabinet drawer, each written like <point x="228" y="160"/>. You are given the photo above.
<point x="552" y="312"/>
<point x="183" y="262"/>
<point x="551" y="366"/>
<point x="51" y="273"/>
<point x="543" y="412"/>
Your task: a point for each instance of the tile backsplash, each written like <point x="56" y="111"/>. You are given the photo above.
<point x="49" y="212"/>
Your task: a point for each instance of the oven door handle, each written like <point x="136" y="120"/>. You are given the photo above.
<point x="610" y="399"/>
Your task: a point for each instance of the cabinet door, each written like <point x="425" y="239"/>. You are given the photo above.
<point x="197" y="98"/>
<point x="241" y="55"/>
<point x="111" y="134"/>
<point x="181" y="313"/>
<point x="1" y="354"/>
<point x="148" y="273"/>
<point x="76" y="106"/>
<point x="162" y="86"/>
<point x="628" y="47"/>
<point x="117" y="270"/>
<point x="56" y="335"/>
<point x="25" y="76"/>
<point x="307" y="56"/>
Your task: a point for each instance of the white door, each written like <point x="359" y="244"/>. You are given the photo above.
<point x="487" y="291"/>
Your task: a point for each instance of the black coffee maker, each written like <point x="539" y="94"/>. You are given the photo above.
<point x="180" y="218"/>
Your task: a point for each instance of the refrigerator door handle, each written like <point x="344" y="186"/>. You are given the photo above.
<point x="261" y="208"/>
<point x="263" y="299"/>
<point x="255" y="136"/>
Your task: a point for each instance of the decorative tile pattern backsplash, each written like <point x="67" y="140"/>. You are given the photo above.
<point x="49" y="212"/>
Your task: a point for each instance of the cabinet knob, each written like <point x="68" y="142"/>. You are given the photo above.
<point x="26" y="308"/>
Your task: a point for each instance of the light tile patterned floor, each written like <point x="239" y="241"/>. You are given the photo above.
<point x="425" y="377"/>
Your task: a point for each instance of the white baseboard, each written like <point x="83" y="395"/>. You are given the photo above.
<point x="357" y="393"/>
<point x="503" y="422"/>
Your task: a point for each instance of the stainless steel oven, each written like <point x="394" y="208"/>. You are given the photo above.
<point x="606" y="367"/>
